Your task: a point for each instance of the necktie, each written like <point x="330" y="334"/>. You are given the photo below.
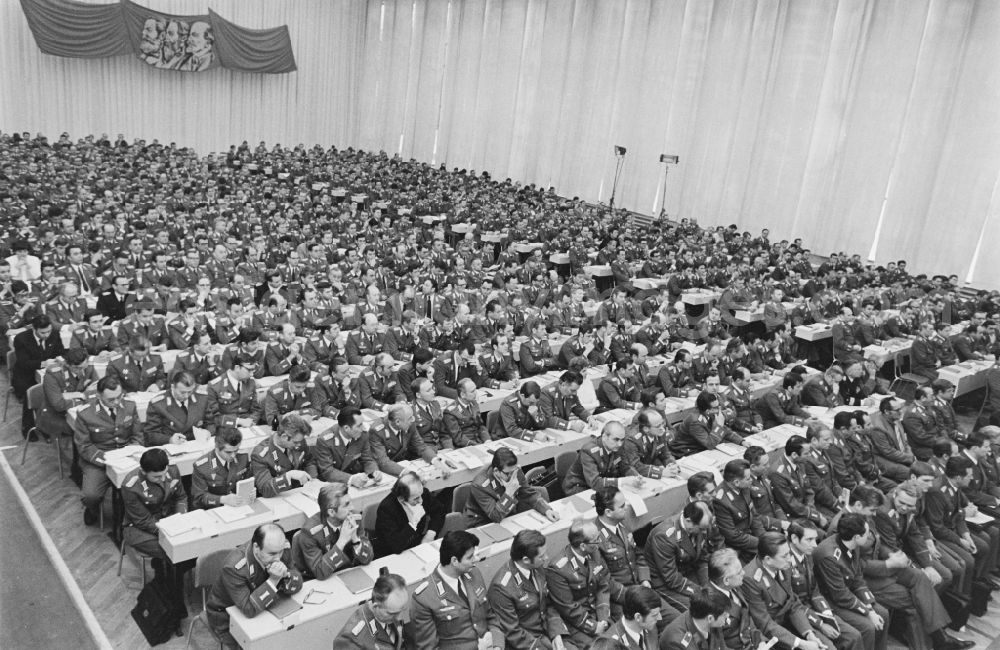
<point x="113" y="414"/>
<point x="41" y="344"/>
<point x="390" y="630"/>
<point x="461" y="591"/>
<point x="84" y="285"/>
<point x="899" y="437"/>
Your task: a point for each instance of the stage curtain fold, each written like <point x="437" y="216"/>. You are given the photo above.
<point x="252" y="50"/>
<point x="76" y="29"/>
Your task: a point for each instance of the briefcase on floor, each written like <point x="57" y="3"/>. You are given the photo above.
<point x="155" y="614"/>
<point x="957" y="607"/>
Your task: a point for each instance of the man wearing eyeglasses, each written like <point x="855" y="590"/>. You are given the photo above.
<point x="501" y="490"/>
<point x="395" y="439"/>
<point x="407" y="517"/>
<point x="143" y="323"/>
<point x="114" y="302"/>
<point x="332" y="539"/>
<point x="232" y="398"/>
<point x="579" y="585"/>
<point x="106" y="423"/>
<point x="377" y="624"/>
<point x="283" y="461"/>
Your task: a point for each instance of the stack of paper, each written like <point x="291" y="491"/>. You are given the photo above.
<point x="229" y="514"/>
<point x="730" y="449"/>
<point x="181" y="523"/>
<point x="127" y="452"/>
<point x="304" y="504"/>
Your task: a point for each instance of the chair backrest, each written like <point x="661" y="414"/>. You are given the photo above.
<point x="564" y="461"/>
<point x="454" y="521"/>
<point x="11" y="360"/>
<point x="368" y="518"/>
<point x="208" y="568"/>
<point x="460" y="497"/>
<point x="35" y="397"/>
<point x="492" y="418"/>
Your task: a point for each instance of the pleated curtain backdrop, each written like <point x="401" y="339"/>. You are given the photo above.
<point x="863" y="125"/>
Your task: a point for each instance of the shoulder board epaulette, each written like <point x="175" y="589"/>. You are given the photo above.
<point x="327" y="436"/>
<point x="242" y="563"/>
<point x="596" y="449"/>
<point x="836" y="553"/>
<point x="687" y="639"/>
<point x="201" y="461"/>
<point x="262" y="451"/>
<point x="356" y="630"/>
<point x="132" y="481"/>
<point x="505" y="578"/>
<point x="159" y="398"/>
<point x="420" y="587"/>
<point x="670" y="531"/>
<point x="315" y="529"/>
<point x="561" y="562"/>
<point x="757" y="574"/>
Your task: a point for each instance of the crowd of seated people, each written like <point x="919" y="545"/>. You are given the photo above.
<point x="265" y="262"/>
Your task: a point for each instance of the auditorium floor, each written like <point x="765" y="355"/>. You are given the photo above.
<point x="37" y="612"/>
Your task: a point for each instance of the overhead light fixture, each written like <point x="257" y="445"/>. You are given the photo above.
<point x="619" y="151"/>
<point x="664" y="158"/>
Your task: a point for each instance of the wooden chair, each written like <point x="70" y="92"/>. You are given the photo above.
<point x="11" y="360"/>
<point x="206" y="573"/>
<point x="36" y="399"/>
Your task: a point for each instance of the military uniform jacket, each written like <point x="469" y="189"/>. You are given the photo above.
<point x="700" y="432"/>
<point x="316" y="554"/>
<point x="94" y="342"/>
<point x="803" y="579"/>
<point x="360" y="345"/>
<point x="677" y="558"/>
<point x="147" y="502"/>
<point x="226" y="403"/>
<point x="745" y="417"/>
<point x="737" y="518"/>
<point x="901" y="532"/>
<point x="792" y="490"/>
<point x="211" y="479"/>
<point x="389" y="446"/>
<point x="229" y="355"/>
<point x="558" y="409"/>
<point x="617" y="632"/>
<point x="534" y="357"/>
<point x="375" y="390"/>
<point x="863" y="456"/>
<point x="595" y="468"/>
<point x="840" y="576"/>
<point x="400" y="343"/>
<point x="226" y="329"/>
<point x="56" y="382"/>
<point x="363" y="632"/>
<point x="515" y="421"/>
<point x="819" y="471"/>
<point x="179" y="331"/>
<point x="523" y="610"/>
<point x="647" y="454"/>
<point x="166" y="416"/>
<point x="496" y="370"/>
<point x="682" y="634"/>
<point x="319" y="351"/>
<point x="921" y="429"/>
<point x="62" y="314"/>
<point x="740" y="633"/>
<point x="843" y="464"/>
<point x="329" y="396"/>
<point x="762" y="493"/>
<point x="674" y="380"/>
<point x="129" y="328"/>
<point x="337" y="458"/>
<point x="136" y="377"/>
<point x="428" y="418"/>
<point x="94" y="432"/>
<point x="441" y="619"/>
<point x="614" y="393"/>
<point x="463" y="423"/>
<point x="244" y="583"/>
<point x="774" y="607"/>
<point x="280" y="400"/>
<point x="277" y="359"/>
<point x="489" y="501"/>
<point x="580" y="590"/>
<point x="945" y="511"/>
<point x="269" y="466"/>
<point x="778" y="407"/>
<point x="626" y="563"/>
<point x="203" y="368"/>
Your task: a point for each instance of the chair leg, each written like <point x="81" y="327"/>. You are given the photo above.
<point x="121" y="558"/>
<point x="6" y="405"/>
<point x="57" y="442"/>
<point x="24" y="449"/>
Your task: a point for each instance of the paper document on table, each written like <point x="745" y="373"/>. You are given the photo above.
<point x="637" y="502"/>
<point x="184" y="522"/>
<point x="229" y="514"/>
<point x="407" y="564"/>
<point x="730" y="448"/>
<point x="980" y="518"/>
<point x="301" y="502"/>
<point x="130" y="451"/>
<point x="322" y="425"/>
<point x="356" y="579"/>
<point x="427" y="553"/>
<point x="283" y="606"/>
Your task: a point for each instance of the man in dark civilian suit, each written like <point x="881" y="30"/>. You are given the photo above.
<point x="33" y="349"/>
<point x="407" y="517"/>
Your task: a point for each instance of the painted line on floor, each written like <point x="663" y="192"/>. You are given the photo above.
<point x="72" y="588"/>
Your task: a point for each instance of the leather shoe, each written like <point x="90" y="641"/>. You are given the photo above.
<point x="954" y="643"/>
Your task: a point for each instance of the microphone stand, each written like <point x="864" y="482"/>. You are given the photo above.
<point x="614" y="185"/>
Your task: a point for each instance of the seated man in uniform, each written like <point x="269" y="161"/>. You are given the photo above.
<point x="520" y="416"/>
<point x="283" y="461"/>
<point x="251" y="579"/>
<point x="344" y="454"/>
<point x="291" y="395"/>
<point x="601" y="464"/>
<point x="378" y="622"/>
<point x="449" y="607"/>
<point x="501" y="490"/>
<point x="173" y="417"/>
<point x="137" y="370"/>
<point x="214" y="476"/>
<point x="332" y="539"/>
<point x="150" y="493"/>
<point x="579" y="585"/>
